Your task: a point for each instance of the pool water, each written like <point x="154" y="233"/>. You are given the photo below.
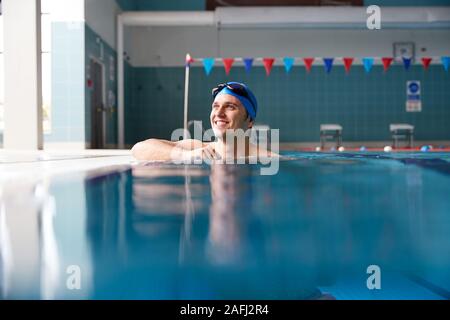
<point x="165" y="231"/>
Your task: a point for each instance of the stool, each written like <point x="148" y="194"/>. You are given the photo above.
<point x="402" y="131"/>
<point x="330" y="131"/>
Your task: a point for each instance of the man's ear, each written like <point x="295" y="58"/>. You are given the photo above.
<point x="250" y="123"/>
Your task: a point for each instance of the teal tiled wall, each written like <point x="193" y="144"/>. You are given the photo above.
<point x="153" y="102"/>
<point x="133" y="122"/>
<point x="152" y="5"/>
<point x="171" y="5"/>
<point x="126" y="5"/>
<point x="296" y="103"/>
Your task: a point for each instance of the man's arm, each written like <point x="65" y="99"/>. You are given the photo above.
<point x="158" y="149"/>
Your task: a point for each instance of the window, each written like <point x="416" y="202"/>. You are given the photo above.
<point x="46" y="67"/>
<point x="46" y="45"/>
<point x="2" y="88"/>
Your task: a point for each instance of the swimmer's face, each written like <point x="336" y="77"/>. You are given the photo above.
<point x="228" y="113"/>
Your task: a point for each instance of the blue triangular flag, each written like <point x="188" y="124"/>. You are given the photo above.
<point x="248" y="64"/>
<point x="445" y="62"/>
<point x="406" y="62"/>
<point x="368" y="63"/>
<point x="288" y="63"/>
<point x="208" y="64"/>
<point x="328" y="64"/>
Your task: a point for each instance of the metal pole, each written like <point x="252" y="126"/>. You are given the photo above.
<point x="186" y="97"/>
<point x="120" y="84"/>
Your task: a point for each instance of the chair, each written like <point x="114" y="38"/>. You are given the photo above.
<point x="402" y="131"/>
<point x="330" y="131"/>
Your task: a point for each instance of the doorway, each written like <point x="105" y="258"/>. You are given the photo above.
<point x="97" y="105"/>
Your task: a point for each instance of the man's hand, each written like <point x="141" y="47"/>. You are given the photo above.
<point x="198" y="155"/>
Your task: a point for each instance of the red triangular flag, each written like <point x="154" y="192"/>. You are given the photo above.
<point x="308" y="63"/>
<point x="426" y="62"/>
<point x="227" y="63"/>
<point x="386" y="63"/>
<point x="347" y="64"/>
<point x="268" y="63"/>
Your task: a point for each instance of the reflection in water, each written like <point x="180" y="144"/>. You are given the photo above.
<point x="6" y="262"/>
<point x="223" y="231"/>
<point x="189" y="215"/>
<point x="162" y="231"/>
<point x="42" y="234"/>
<point x="415" y="204"/>
<point x="224" y="250"/>
<point x="29" y="264"/>
<point x="50" y="265"/>
<point x="228" y="214"/>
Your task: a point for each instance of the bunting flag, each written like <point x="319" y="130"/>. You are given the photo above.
<point x="426" y="62"/>
<point x="189" y="60"/>
<point x="248" y="64"/>
<point x="347" y="64"/>
<point x="368" y="63"/>
<point x="406" y="63"/>
<point x="227" y="63"/>
<point x="308" y="63"/>
<point x="328" y="64"/>
<point x="386" y="62"/>
<point x="268" y="63"/>
<point x="208" y="64"/>
<point x="445" y="62"/>
<point x="288" y="63"/>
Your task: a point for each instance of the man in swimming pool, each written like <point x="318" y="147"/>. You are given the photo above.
<point x="233" y="112"/>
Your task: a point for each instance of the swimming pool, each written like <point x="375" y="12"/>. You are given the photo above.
<point x="164" y="231"/>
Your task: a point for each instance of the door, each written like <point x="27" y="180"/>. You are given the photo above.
<point x="97" y="107"/>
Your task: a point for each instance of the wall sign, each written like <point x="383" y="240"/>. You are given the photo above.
<point x="413" y="101"/>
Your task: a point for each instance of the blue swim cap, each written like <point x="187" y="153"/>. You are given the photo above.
<point x="242" y="93"/>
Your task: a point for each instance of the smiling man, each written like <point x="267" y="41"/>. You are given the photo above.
<point x="233" y="112"/>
